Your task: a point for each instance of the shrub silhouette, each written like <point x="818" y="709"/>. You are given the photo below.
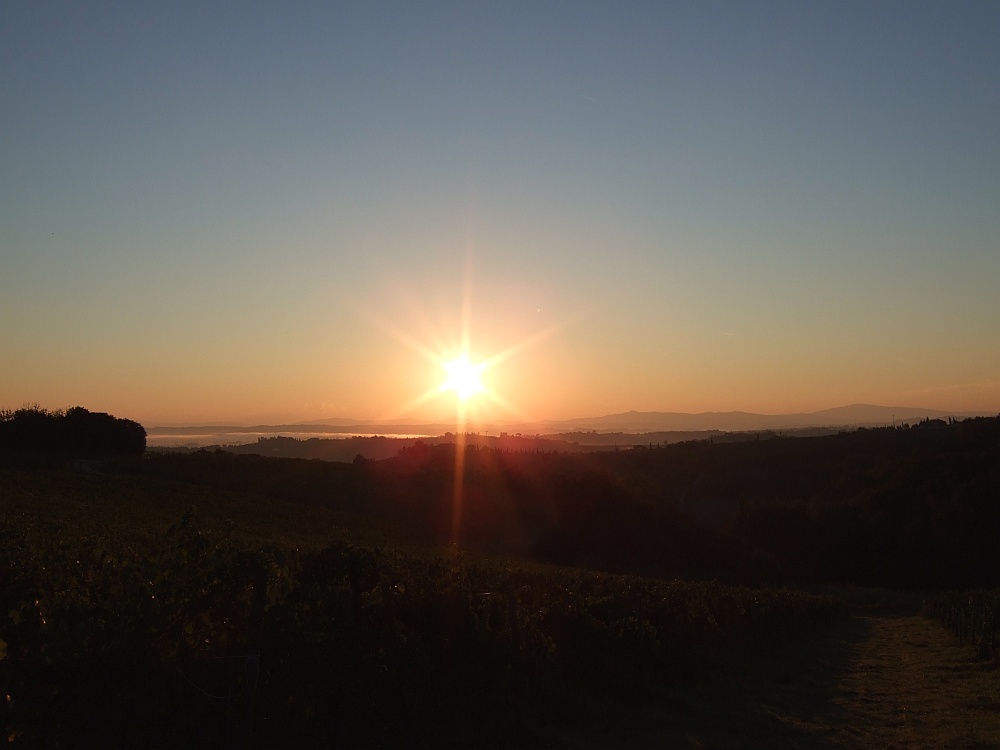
<point x="76" y="432"/>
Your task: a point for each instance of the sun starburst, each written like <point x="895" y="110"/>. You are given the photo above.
<point x="463" y="377"/>
<point x="466" y="377"/>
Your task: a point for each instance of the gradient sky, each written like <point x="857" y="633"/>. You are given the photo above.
<point x="262" y="212"/>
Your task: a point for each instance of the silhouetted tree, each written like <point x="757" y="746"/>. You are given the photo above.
<point x="76" y="432"/>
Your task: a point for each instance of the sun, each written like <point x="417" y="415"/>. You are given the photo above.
<point x="463" y="377"/>
<point x="474" y="399"/>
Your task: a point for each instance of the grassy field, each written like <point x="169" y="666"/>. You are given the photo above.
<point x="153" y="610"/>
<point x="886" y="681"/>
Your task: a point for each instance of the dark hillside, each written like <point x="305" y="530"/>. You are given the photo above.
<point x="133" y="621"/>
<point x="910" y="507"/>
<point x="307" y="601"/>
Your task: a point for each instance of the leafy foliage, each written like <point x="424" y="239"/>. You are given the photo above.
<point x="916" y="509"/>
<point x="76" y="432"/>
<point x="911" y="508"/>
<point x="125" y="633"/>
<point x="973" y="616"/>
<point x="334" y="611"/>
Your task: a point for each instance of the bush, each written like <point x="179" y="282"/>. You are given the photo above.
<point x="76" y="432"/>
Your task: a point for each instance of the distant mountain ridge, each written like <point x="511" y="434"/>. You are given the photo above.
<point x="853" y="415"/>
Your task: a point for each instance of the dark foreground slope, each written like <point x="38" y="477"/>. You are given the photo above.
<point x="131" y="623"/>
<point x="318" y="604"/>
<point x="872" y="682"/>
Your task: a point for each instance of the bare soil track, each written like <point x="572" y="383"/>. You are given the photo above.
<point x="873" y="682"/>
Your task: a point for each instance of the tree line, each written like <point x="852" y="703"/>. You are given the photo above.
<point x="75" y="432"/>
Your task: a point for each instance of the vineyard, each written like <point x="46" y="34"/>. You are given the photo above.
<point x="973" y="616"/>
<point x="130" y="620"/>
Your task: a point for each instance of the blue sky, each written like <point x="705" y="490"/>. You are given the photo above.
<point x="242" y="211"/>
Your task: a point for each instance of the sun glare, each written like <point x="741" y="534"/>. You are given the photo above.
<point x="475" y="400"/>
<point x="463" y="377"/>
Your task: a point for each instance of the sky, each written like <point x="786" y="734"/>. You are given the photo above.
<point x="274" y="212"/>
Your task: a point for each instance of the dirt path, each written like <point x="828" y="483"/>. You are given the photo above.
<point x="877" y="682"/>
<point x="910" y="684"/>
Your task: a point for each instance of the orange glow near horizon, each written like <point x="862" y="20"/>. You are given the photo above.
<point x="464" y="380"/>
<point x="464" y="372"/>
